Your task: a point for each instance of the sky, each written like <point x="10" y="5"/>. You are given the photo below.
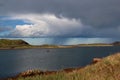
<point x="60" y="18"/>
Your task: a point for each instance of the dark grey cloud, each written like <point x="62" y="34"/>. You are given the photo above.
<point x="102" y="15"/>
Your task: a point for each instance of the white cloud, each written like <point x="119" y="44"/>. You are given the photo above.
<point x="47" y="25"/>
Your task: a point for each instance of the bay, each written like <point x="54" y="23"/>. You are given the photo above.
<point x="13" y="62"/>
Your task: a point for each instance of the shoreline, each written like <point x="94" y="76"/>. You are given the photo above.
<point x="53" y="47"/>
<point x="20" y="44"/>
<point x="34" y="72"/>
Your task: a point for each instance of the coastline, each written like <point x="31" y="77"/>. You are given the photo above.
<point x="20" y="44"/>
<point x="54" y="46"/>
<point x="58" y="47"/>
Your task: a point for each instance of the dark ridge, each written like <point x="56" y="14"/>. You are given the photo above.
<point x="117" y="43"/>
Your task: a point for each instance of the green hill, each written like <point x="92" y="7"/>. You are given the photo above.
<point x="5" y="43"/>
<point x="105" y="69"/>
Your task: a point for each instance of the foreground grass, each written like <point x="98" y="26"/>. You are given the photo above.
<point x="106" y="69"/>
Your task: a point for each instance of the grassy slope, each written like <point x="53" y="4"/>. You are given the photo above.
<point x="107" y="69"/>
<point x="6" y="43"/>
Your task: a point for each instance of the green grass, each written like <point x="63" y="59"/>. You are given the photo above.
<point x="6" y="43"/>
<point x="107" y="69"/>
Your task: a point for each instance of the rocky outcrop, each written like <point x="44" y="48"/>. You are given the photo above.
<point x="30" y="73"/>
<point x="35" y="72"/>
<point x="95" y="60"/>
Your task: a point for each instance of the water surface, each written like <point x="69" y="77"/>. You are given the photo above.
<point x="15" y="61"/>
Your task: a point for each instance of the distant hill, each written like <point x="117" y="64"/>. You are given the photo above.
<point x="117" y="43"/>
<point x="8" y="42"/>
<point x="20" y="44"/>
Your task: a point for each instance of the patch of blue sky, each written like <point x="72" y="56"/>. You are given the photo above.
<point x="4" y="33"/>
<point x="1" y="17"/>
<point x="11" y="23"/>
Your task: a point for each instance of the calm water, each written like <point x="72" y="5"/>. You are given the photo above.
<point x="15" y="61"/>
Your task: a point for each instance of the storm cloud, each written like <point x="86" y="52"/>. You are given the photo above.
<point x="102" y="16"/>
<point x="44" y="25"/>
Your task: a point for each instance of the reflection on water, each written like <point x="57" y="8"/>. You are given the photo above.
<point x="15" y="61"/>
